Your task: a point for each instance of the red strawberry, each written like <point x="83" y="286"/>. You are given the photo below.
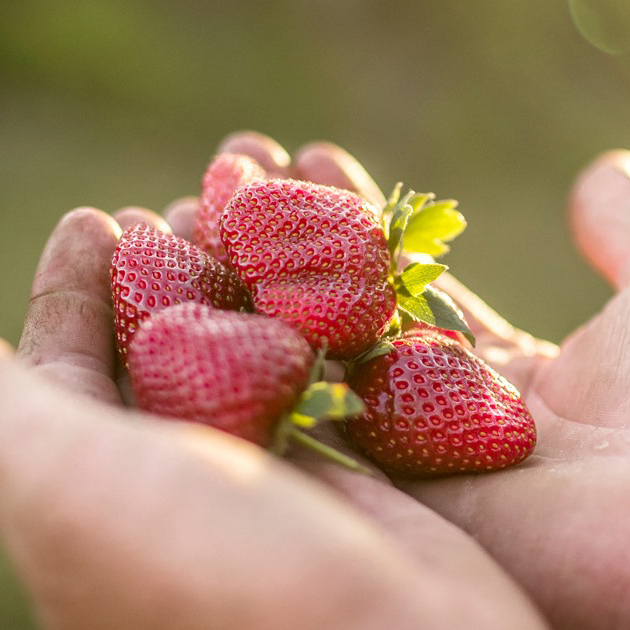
<point x="237" y="372"/>
<point x="413" y="329"/>
<point x="224" y="174"/>
<point x="152" y="270"/>
<point x="434" y="408"/>
<point x="314" y="256"/>
<point x="243" y="373"/>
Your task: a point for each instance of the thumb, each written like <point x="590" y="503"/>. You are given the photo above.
<point x="599" y="214"/>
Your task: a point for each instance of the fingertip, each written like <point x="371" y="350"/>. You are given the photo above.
<point x="326" y="163"/>
<point x="87" y="218"/>
<point x="265" y="150"/>
<point x="6" y="350"/>
<point x="69" y="318"/>
<point x="180" y="215"/>
<point x="599" y="215"/>
<point x="132" y="215"/>
<point x="77" y="251"/>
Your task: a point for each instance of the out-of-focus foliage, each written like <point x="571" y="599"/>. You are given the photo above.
<point x="604" y="23"/>
<point x="497" y="104"/>
<point x="15" y="609"/>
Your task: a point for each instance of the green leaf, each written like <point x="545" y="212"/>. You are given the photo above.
<point x="393" y="198"/>
<point x="326" y="400"/>
<point x="431" y="225"/>
<point x="416" y="276"/>
<point x="305" y="422"/>
<point x="418" y="200"/>
<point x="400" y="215"/>
<point x="416" y="307"/>
<point x="433" y="308"/>
<point x="445" y="314"/>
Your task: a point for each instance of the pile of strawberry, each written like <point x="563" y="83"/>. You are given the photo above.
<point x="232" y="329"/>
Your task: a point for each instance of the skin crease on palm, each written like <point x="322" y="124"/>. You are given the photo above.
<point x="118" y="520"/>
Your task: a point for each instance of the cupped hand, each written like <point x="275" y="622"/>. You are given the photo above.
<point x="116" y="519"/>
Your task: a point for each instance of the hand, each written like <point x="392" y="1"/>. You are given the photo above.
<point x="116" y="519"/>
<point x="560" y="523"/>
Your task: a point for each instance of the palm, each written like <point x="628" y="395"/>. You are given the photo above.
<point x="560" y="522"/>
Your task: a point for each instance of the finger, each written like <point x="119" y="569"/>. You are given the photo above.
<point x="487" y="325"/>
<point x="167" y="526"/>
<point x="68" y="330"/>
<point x="434" y="544"/>
<point x="482" y="320"/>
<point x="6" y="349"/>
<point x="132" y="215"/>
<point x="511" y="351"/>
<point x="599" y="214"/>
<point x="266" y="151"/>
<point x="589" y="380"/>
<point x="326" y="163"/>
<point x="180" y="215"/>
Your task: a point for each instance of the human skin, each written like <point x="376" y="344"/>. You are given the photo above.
<point x="116" y="519"/>
<point x="561" y="523"/>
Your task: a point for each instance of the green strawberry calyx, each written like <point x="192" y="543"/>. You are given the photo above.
<point x="320" y="401"/>
<point x="417" y="223"/>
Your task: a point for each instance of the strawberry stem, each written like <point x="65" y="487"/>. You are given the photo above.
<point x="327" y="451"/>
<point x="281" y="437"/>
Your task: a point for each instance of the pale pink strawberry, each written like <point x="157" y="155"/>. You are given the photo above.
<point x="224" y="174"/>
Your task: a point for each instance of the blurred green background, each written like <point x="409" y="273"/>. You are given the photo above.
<point x="498" y="104"/>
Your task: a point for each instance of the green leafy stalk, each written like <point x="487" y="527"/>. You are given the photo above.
<point x="399" y="217"/>
<point x="390" y="205"/>
<point x="328" y="452"/>
<point x="332" y="401"/>
<point x="319" y="402"/>
<point x="419" y="224"/>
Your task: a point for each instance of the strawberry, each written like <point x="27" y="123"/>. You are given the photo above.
<point x="434" y="408"/>
<point x="237" y="372"/>
<point x="243" y="373"/>
<point x="413" y="329"/>
<point x="152" y="270"/>
<point x="314" y="256"/>
<point x="224" y="174"/>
